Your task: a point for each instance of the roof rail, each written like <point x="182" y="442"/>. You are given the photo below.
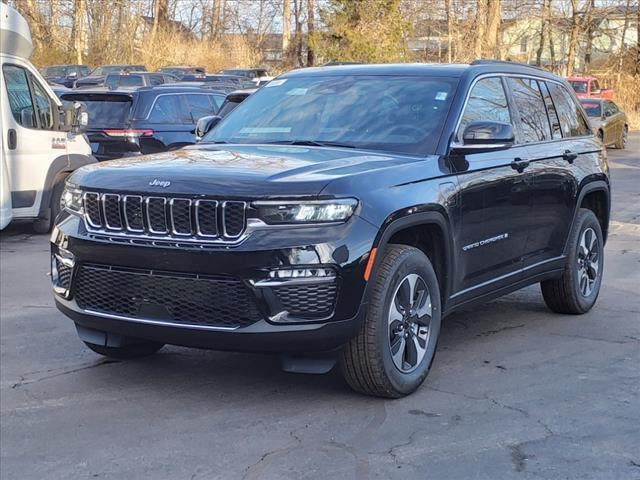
<point x="489" y="61"/>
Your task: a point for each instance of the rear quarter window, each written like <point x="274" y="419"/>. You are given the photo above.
<point x="572" y="122"/>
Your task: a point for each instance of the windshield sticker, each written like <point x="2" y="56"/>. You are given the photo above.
<point x="275" y="83"/>
<point x="250" y="130"/>
<point x="441" y="96"/>
<point x="297" y="91"/>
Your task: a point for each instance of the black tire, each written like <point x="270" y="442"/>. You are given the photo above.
<point x="367" y="362"/>
<point x="567" y="293"/>
<point x="44" y="225"/>
<point x="622" y="141"/>
<point x="136" y="350"/>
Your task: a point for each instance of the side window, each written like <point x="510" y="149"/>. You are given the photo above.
<point x="156" y="79"/>
<point x="556" y="131"/>
<point x="595" y="86"/>
<point x="531" y="108"/>
<point x="19" y="95"/>
<point x="216" y="100"/>
<point x="487" y="101"/>
<point x="572" y="122"/>
<point x="44" y="110"/>
<point x="199" y="106"/>
<point x="166" y="109"/>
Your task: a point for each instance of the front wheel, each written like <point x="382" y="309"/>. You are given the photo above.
<point x="392" y="354"/>
<point x="576" y="291"/>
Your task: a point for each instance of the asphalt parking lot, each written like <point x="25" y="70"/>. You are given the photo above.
<point x="515" y="391"/>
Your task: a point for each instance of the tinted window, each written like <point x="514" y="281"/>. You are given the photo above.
<point x="227" y="107"/>
<point x="168" y="109"/>
<point x="595" y="86"/>
<point x="19" y="95"/>
<point x="84" y="71"/>
<point x="199" y="106"/>
<point x="130" y="80"/>
<point x="579" y="86"/>
<point x="44" y="109"/>
<point x="611" y="107"/>
<point x="556" y="131"/>
<point x="487" y="101"/>
<point x="592" y="108"/>
<point x="394" y="113"/>
<point x="156" y="79"/>
<point x="571" y="120"/>
<point x="533" y="115"/>
<point x="104" y="110"/>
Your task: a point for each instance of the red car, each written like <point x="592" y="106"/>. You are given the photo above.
<point x="588" y="87"/>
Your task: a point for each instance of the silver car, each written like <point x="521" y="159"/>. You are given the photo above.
<point x="607" y="121"/>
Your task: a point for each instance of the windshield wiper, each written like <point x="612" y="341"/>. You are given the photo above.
<point x="311" y="143"/>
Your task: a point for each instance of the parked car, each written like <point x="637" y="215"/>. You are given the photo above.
<point x="64" y="75"/>
<point x="98" y="74"/>
<point x="608" y="121"/>
<point x="338" y="214"/>
<point x="233" y="100"/>
<point x="41" y="140"/>
<point x="182" y="70"/>
<point x="138" y="79"/>
<point x="131" y="121"/>
<point x="589" y="87"/>
<point x="237" y="81"/>
<point x="257" y="75"/>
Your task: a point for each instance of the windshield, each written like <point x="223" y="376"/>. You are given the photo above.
<point x="57" y="71"/>
<point x="593" y="109"/>
<point x="579" y="86"/>
<point x="402" y="114"/>
<point x="104" y="110"/>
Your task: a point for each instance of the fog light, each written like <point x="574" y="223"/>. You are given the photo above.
<point x="302" y="273"/>
<point x="61" y="270"/>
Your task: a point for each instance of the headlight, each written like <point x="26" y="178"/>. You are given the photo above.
<point x="71" y="199"/>
<point x="320" y="211"/>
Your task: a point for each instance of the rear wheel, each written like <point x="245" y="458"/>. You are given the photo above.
<point x="392" y="354"/>
<point x="127" y="351"/>
<point x="576" y="291"/>
<point x="622" y="141"/>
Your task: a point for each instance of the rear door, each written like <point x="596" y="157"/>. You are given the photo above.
<point x="555" y="166"/>
<point x="494" y="200"/>
<point x="31" y="137"/>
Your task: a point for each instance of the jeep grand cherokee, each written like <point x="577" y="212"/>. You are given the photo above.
<point x="338" y="214"/>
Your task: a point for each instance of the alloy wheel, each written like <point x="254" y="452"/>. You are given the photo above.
<point x="588" y="261"/>
<point x="409" y="322"/>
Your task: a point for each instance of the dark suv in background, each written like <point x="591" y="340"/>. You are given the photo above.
<point x="64" y="75"/>
<point x="130" y="121"/>
<point x="339" y="213"/>
<point x="98" y="74"/>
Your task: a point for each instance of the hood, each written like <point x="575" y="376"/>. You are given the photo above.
<point x="241" y="171"/>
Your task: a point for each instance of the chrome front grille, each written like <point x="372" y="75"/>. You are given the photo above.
<point x="157" y="217"/>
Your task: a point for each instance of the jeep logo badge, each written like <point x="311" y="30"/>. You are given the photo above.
<point x="159" y="183"/>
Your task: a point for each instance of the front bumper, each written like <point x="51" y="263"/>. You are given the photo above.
<point x="275" y="325"/>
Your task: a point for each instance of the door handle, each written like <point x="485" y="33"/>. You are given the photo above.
<point x="519" y="164"/>
<point x="12" y="139"/>
<point x="569" y="156"/>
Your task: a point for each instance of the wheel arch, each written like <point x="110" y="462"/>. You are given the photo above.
<point x="429" y="232"/>
<point x="594" y="196"/>
<point x="64" y="164"/>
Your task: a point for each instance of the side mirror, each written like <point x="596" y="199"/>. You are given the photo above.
<point x="485" y="136"/>
<point x="73" y="75"/>
<point x="205" y="125"/>
<point x="74" y="117"/>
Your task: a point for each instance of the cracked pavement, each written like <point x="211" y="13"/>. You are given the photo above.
<point x="515" y="391"/>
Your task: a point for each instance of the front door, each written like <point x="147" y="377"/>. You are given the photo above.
<point x="494" y="201"/>
<point x="31" y="140"/>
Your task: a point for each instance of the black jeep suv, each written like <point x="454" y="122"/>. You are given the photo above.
<point x="340" y="213"/>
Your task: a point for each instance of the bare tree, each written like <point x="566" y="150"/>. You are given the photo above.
<point x="544" y="29"/>
<point x="310" y="29"/>
<point x="573" y="38"/>
<point x="494" y="18"/>
<point x="481" y="19"/>
<point x="447" y="6"/>
<point x="590" y="23"/>
<point x="79" y="18"/>
<point x="286" y="29"/>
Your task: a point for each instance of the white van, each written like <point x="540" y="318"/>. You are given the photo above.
<point x="42" y="142"/>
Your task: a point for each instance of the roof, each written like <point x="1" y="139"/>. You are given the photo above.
<point x="580" y="78"/>
<point x="164" y="88"/>
<point x="15" y="36"/>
